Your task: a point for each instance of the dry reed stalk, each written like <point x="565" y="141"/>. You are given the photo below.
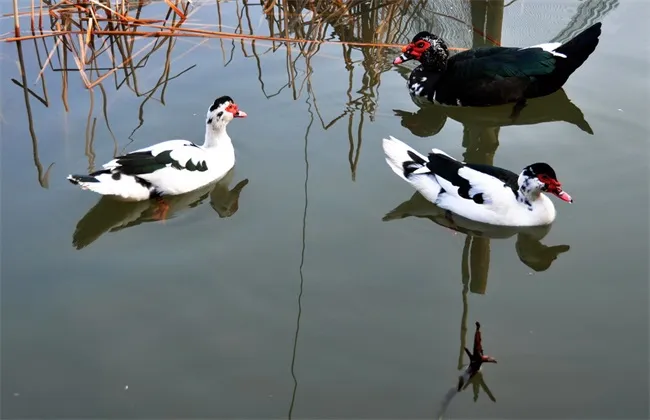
<point x="43" y="177"/>
<point x="49" y="57"/>
<point x="40" y="15"/>
<point x="267" y="9"/>
<point x="88" y="33"/>
<point x="175" y="9"/>
<point x="31" y="17"/>
<point x="78" y="61"/>
<point x="128" y="60"/>
<point x="90" y="134"/>
<point x="93" y="16"/>
<point x="217" y="34"/>
<point x="121" y="16"/>
<point x="16" y="19"/>
<point x="8" y="15"/>
<point x="64" y="75"/>
<point x="223" y="51"/>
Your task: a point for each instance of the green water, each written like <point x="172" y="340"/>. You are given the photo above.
<point x="313" y="282"/>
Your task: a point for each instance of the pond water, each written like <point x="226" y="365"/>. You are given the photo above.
<point x="312" y="282"/>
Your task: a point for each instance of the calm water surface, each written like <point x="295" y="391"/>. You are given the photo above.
<point x="313" y="282"/>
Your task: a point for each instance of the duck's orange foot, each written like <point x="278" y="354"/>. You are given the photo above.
<point x="161" y="210"/>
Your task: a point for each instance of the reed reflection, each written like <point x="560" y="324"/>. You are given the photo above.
<point x="351" y="22"/>
<point x="97" y="60"/>
<point x="112" y="215"/>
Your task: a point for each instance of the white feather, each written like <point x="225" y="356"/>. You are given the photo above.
<point x="440" y="152"/>
<point x="549" y="47"/>
<point x="396" y="155"/>
<point x="126" y="187"/>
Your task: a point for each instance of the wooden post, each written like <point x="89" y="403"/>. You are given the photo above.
<point x="487" y="17"/>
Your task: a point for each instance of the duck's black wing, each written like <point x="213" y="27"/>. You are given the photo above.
<point x="499" y="62"/>
<point x="508" y="177"/>
<point x="492" y="75"/>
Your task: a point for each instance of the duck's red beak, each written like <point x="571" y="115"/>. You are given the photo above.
<point x="554" y="187"/>
<point x="404" y="56"/>
<point x="563" y="195"/>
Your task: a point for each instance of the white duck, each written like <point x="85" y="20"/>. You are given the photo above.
<point x="171" y="167"/>
<point x="483" y="193"/>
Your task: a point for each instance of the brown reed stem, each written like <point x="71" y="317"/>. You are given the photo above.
<point x="16" y="20"/>
<point x="40" y="15"/>
<point x="198" y="33"/>
<point x="49" y="57"/>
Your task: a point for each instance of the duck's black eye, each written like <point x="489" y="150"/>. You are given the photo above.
<point x="420" y="44"/>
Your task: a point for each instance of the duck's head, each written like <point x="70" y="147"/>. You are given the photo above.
<point x="222" y="111"/>
<point x="428" y="49"/>
<point x="540" y="177"/>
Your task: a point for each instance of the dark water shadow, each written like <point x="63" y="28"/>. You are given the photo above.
<point x="111" y="215"/>
<point x="429" y="120"/>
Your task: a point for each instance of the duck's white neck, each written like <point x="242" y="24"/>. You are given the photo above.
<point x="216" y="137"/>
<point x="531" y="188"/>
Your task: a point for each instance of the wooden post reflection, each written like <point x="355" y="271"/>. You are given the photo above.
<point x="480" y="145"/>
<point x="487" y="16"/>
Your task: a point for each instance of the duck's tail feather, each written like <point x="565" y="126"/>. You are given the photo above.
<point x="411" y="166"/>
<point x="577" y="50"/>
<point x="113" y="183"/>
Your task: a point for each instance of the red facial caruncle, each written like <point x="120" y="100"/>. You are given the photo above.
<point x="554" y="187"/>
<point x="235" y="111"/>
<point x="412" y="50"/>
<point x="417" y="49"/>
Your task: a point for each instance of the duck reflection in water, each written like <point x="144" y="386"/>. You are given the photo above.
<point x="528" y="246"/>
<point x="111" y="215"/>
<point x="429" y="120"/>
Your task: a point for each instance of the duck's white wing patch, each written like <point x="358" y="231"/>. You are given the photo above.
<point x="440" y="152"/>
<point x="485" y="184"/>
<point x="185" y="168"/>
<point x="482" y="198"/>
<point x="549" y="47"/>
<point x="479" y="188"/>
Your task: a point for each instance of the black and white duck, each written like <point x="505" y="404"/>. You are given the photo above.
<point x="493" y="75"/>
<point x="483" y="193"/>
<point x="172" y="167"/>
